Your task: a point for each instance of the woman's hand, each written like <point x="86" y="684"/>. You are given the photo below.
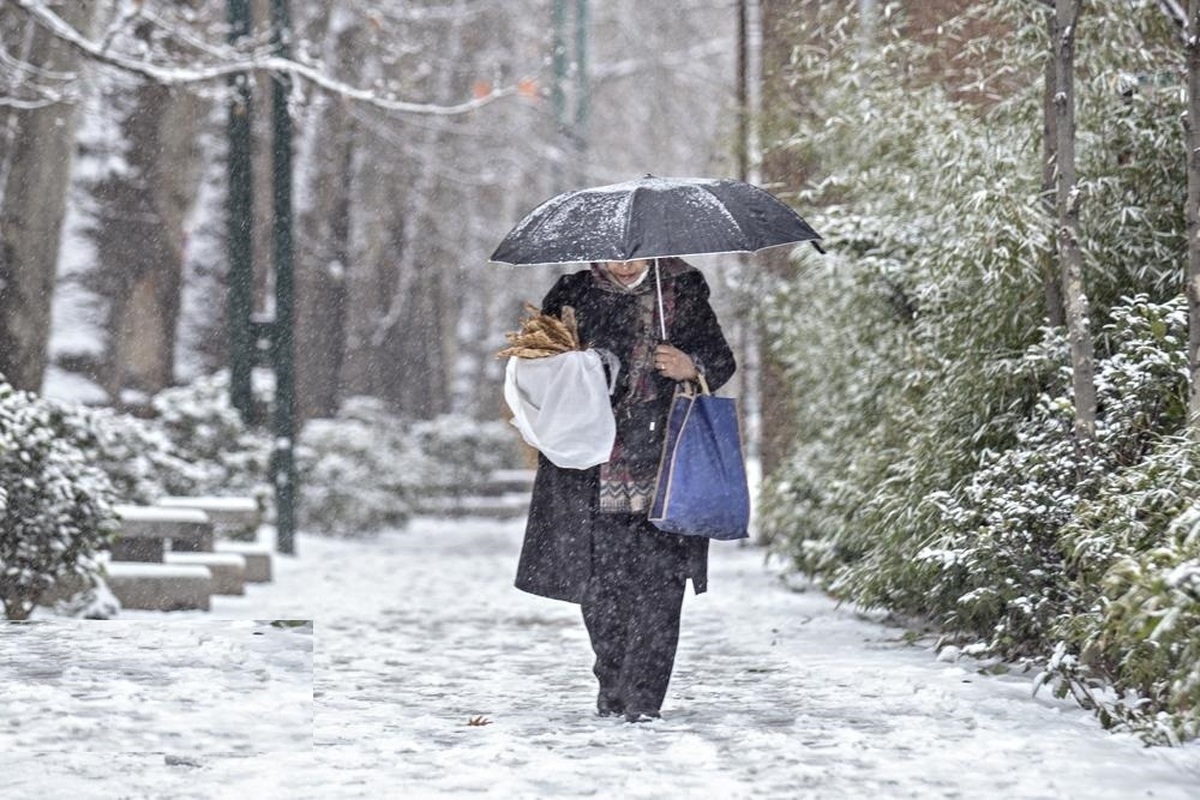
<point x="673" y="363"/>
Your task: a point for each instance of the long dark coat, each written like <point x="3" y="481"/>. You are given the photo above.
<point x="556" y="558"/>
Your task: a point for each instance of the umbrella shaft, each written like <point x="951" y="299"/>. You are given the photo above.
<point x="662" y="317"/>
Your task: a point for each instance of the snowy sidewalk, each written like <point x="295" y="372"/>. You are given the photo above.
<point x="776" y="694"/>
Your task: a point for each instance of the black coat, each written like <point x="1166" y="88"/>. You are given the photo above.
<point x="557" y="553"/>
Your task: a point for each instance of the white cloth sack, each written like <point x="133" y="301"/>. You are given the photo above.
<point x="560" y="404"/>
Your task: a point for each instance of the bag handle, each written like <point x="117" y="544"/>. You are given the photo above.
<point x="690" y="387"/>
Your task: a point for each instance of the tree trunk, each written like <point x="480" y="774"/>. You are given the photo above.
<point x="325" y="181"/>
<point x="415" y="336"/>
<point x="36" y="148"/>
<point x="140" y="236"/>
<point x="1052" y="287"/>
<point x="1070" y="256"/>
<point x="1193" y="213"/>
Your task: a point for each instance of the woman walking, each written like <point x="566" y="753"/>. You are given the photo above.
<point x="588" y="539"/>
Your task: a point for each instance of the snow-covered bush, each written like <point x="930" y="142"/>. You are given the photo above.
<point x="1133" y="558"/>
<point x="140" y="460"/>
<point x="357" y="471"/>
<point x="934" y="470"/>
<point x="1031" y="516"/>
<point x="461" y="452"/>
<point x="55" y="507"/>
<point x="994" y="564"/>
<point x="362" y="471"/>
<point x="205" y="430"/>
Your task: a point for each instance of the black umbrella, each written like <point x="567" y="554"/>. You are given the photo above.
<point x="652" y="218"/>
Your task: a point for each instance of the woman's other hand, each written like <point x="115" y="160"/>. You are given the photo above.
<point x="673" y="363"/>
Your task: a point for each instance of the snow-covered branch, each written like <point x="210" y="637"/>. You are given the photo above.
<point x="29" y="105"/>
<point x="238" y="63"/>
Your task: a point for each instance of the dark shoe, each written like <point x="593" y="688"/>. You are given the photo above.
<point x="609" y="707"/>
<point x="642" y="716"/>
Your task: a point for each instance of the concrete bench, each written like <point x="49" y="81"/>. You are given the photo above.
<point x="173" y="586"/>
<point x="235" y="517"/>
<point x="505" y="495"/>
<point x="228" y="570"/>
<point x="239" y="518"/>
<point x="145" y="530"/>
<point x="160" y="587"/>
<point x="257" y="556"/>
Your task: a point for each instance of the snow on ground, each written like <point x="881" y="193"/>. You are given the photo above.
<point x="777" y="694"/>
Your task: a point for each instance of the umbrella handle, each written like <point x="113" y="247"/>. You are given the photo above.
<point x="662" y="317"/>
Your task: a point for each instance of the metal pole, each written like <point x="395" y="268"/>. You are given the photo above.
<point x="284" y="463"/>
<point x="240" y="210"/>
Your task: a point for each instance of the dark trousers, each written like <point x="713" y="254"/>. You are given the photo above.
<point x="631" y="608"/>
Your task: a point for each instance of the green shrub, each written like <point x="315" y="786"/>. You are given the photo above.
<point x="204" y="429"/>
<point x="934" y="470"/>
<point x="1133" y="555"/>
<point x="358" y="471"/>
<point x="55" y="507"/>
<point x="137" y="456"/>
<point x="461" y="453"/>
<point x="364" y="470"/>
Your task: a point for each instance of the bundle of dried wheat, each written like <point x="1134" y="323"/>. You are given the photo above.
<point x="542" y="335"/>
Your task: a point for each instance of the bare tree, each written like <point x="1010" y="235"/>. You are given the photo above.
<point x="1192" y="120"/>
<point x="1068" y="198"/>
<point x="36" y="144"/>
<point x="401" y="201"/>
<point x="325" y="197"/>
<point x="139" y="214"/>
<point x="163" y="57"/>
<point x="1051" y="285"/>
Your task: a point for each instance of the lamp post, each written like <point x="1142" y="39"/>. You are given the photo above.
<point x="283" y="462"/>
<point x="239" y="225"/>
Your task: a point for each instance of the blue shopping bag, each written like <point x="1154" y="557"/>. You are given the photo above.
<point x="702" y="487"/>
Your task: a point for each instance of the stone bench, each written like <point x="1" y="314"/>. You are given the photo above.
<point x="228" y="570"/>
<point x="145" y="531"/>
<point x="239" y="518"/>
<point x="257" y="557"/>
<point x="505" y="495"/>
<point x="160" y="587"/>
<point x="234" y="517"/>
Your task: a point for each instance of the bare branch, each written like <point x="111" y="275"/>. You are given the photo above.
<point x="205" y="73"/>
<point x="30" y="105"/>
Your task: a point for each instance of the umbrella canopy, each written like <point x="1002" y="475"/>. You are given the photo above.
<point x="653" y="217"/>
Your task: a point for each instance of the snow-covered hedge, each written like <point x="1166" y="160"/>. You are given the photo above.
<point x="139" y="458"/>
<point x="460" y="452"/>
<point x="356" y="471"/>
<point x="226" y="456"/>
<point x="1130" y="638"/>
<point x="55" y="506"/>
<point x="363" y="470"/>
<point x="934" y="471"/>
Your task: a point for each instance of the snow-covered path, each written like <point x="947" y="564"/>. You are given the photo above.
<point x="775" y="694"/>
